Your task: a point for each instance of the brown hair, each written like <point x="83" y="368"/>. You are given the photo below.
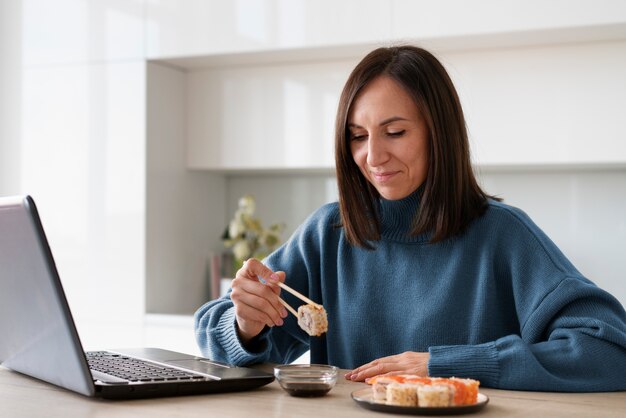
<point x="451" y="197"/>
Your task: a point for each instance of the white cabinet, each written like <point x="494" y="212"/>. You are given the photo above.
<point x="178" y="28"/>
<point x="560" y="104"/>
<point x="553" y="104"/>
<point x="463" y="23"/>
<point x="538" y="80"/>
<point x="264" y="117"/>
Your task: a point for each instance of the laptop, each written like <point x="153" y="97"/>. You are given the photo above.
<point x="38" y="336"/>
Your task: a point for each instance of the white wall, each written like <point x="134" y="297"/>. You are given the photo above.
<point x="287" y="198"/>
<point x="582" y="210"/>
<point x="180" y="203"/>
<point x="80" y="148"/>
<point x="83" y="161"/>
<point x="11" y="97"/>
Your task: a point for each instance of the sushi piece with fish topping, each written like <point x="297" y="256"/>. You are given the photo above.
<point x="429" y="391"/>
<point x="468" y="394"/>
<point x="379" y="386"/>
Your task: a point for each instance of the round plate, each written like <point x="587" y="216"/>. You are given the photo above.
<point x="365" y="398"/>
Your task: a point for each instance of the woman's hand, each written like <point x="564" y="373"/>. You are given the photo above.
<point x="256" y="304"/>
<point x="409" y="362"/>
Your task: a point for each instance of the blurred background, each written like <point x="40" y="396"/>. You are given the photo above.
<point x="136" y="125"/>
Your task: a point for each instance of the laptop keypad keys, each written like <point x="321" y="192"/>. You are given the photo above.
<point x="135" y="370"/>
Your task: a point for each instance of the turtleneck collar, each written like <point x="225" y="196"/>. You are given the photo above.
<point x="396" y="218"/>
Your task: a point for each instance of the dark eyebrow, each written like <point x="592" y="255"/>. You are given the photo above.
<point x="391" y="119"/>
<point x="383" y="123"/>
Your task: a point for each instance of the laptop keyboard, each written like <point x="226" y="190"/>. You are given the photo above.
<point x="135" y="370"/>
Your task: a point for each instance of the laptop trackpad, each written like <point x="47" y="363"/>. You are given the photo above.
<point x="217" y="370"/>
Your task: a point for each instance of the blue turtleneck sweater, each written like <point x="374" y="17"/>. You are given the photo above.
<point x="498" y="303"/>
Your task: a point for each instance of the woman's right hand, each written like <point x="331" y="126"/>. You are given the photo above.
<point x="256" y="303"/>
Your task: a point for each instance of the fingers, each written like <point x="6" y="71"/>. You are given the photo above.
<point x="256" y="304"/>
<point x="374" y="368"/>
<point x="253" y="269"/>
<point x="255" y="301"/>
<point x="408" y="363"/>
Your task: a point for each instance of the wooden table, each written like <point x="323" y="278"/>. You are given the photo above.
<point x="21" y="396"/>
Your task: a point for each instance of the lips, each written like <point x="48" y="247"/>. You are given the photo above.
<point x="383" y="176"/>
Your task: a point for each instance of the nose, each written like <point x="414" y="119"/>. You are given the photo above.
<point x="376" y="151"/>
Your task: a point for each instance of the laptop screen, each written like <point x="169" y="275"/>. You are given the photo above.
<point x="39" y="337"/>
<point x="38" y="333"/>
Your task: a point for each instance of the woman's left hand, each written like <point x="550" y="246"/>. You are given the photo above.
<point x="409" y="362"/>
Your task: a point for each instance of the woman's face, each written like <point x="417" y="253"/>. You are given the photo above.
<point x="388" y="138"/>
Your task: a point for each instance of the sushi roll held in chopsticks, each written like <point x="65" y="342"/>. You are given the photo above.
<point x="311" y="317"/>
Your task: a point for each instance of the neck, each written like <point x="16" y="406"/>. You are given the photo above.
<point x="396" y="218"/>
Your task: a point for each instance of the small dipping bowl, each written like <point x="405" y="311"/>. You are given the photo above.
<point x="306" y="380"/>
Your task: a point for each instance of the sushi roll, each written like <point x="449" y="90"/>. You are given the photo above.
<point x="436" y="395"/>
<point x="312" y="319"/>
<point x="402" y="394"/>
<point x="466" y="391"/>
<point x="413" y="390"/>
<point x="379" y="386"/>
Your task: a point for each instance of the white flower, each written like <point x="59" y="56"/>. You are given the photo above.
<point x="246" y="235"/>
<point x="241" y="250"/>
<point x="236" y="228"/>
<point x="247" y="204"/>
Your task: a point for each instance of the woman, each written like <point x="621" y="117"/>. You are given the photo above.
<point x="418" y="269"/>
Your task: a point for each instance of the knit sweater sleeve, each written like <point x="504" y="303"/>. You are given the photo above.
<point x="572" y="333"/>
<point x="215" y="323"/>
<point x="216" y="335"/>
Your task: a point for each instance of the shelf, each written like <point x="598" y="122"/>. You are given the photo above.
<point x="483" y="168"/>
<point x="269" y="171"/>
<point x="551" y="167"/>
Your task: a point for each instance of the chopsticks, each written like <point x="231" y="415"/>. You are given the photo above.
<point x="295" y="293"/>
<point x="298" y="294"/>
<point x="289" y="308"/>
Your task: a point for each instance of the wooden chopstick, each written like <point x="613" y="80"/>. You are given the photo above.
<point x="297" y="294"/>
<point x="289" y="308"/>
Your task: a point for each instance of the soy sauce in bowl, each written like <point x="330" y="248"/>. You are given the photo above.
<point x="306" y="380"/>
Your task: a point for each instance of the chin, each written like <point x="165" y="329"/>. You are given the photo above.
<point x="393" y="196"/>
<point x="389" y="193"/>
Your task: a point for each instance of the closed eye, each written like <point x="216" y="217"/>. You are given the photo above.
<point x="357" y="137"/>
<point x="396" y="134"/>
